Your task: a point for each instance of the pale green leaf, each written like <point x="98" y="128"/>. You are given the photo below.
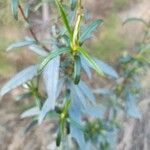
<point x="89" y="30"/>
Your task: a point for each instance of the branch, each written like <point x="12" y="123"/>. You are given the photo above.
<point x="31" y="30"/>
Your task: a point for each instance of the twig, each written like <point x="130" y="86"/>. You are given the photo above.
<point x="31" y="30"/>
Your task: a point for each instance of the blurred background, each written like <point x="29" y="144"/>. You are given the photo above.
<point x="109" y="42"/>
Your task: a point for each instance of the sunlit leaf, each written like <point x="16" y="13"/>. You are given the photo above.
<point x="20" y="78"/>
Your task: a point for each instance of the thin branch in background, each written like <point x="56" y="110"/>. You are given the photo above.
<point x="31" y="30"/>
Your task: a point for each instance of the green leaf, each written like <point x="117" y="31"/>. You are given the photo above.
<point x="19" y="79"/>
<point x="24" y="96"/>
<point x="64" y="17"/>
<point x="77" y="69"/>
<point x="58" y="138"/>
<point x="19" y="44"/>
<point x="73" y="4"/>
<point x="14" y="4"/>
<point x="88" y="31"/>
<point x="52" y="55"/>
<point x="91" y="61"/>
<point x="135" y="20"/>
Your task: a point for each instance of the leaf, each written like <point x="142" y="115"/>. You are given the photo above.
<point x="91" y="61"/>
<point x="135" y="20"/>
<point x="19" y="44"/>
<point x="88" y="31"/>
<point x="50" y="77"/>
<point x="86" y="67"/>
<point x="60" y="86"/>
<point x="64" y="17"/>
<point x="131" y="107"/>
<point x="14" y="4"/>
<point x="95" y="111"/>
<point x="52" y="55"/>
<point x="30" y="126"/>
<point x="108" y="70"/>
<point x="58" y="138"/>
<point x="76" y="131"/>
<point x="20" y="78"/>
<point x="78" y="135"/>
<point x="36" y="49"/>
<point x="24" y="96"/>
<point x="34" y="111"/>
<point x="80" y="95"/>
<point x="87" y="92"/>
<point x="77" y="70"/>
<point x="27" y="9"/>
<point x="73" y="4"/>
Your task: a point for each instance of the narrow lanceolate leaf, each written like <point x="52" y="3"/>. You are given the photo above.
<point x="38" y="50"/>
<point x="131" y="106"/>
<point x="135" y="20"/>
<point x="73" y="4"/>
<point x="90" y="61"/>
<point x="78" y="135"/>
<point x="108" y="70"/>
<point x="27" y="9"/>
<point x="88" y="31"/>
<point x="85" y="89"/>
<point x="77" y="69"/>
<point x="50" y="77"/>
<point x="20" y="78"/>
<point x="14" y="5"/>
<point x="30" y="112"/>
<point x="86" y="67"/>
<point x="19" y="44"/>
<point x="64" y="17"/>
<point x="52" y="55"/>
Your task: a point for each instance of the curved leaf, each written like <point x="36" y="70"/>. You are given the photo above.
<point x="88" y="31"/>
<point x="52" y="55"/>
<point x="20" y="78"/>
<point x="135" y="20"/>
<point x="19" y="44"/>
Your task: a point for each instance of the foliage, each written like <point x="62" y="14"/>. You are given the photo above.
<point x="69" y="99"/>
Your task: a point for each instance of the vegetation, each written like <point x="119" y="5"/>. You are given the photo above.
<point x="89" y="122"/>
